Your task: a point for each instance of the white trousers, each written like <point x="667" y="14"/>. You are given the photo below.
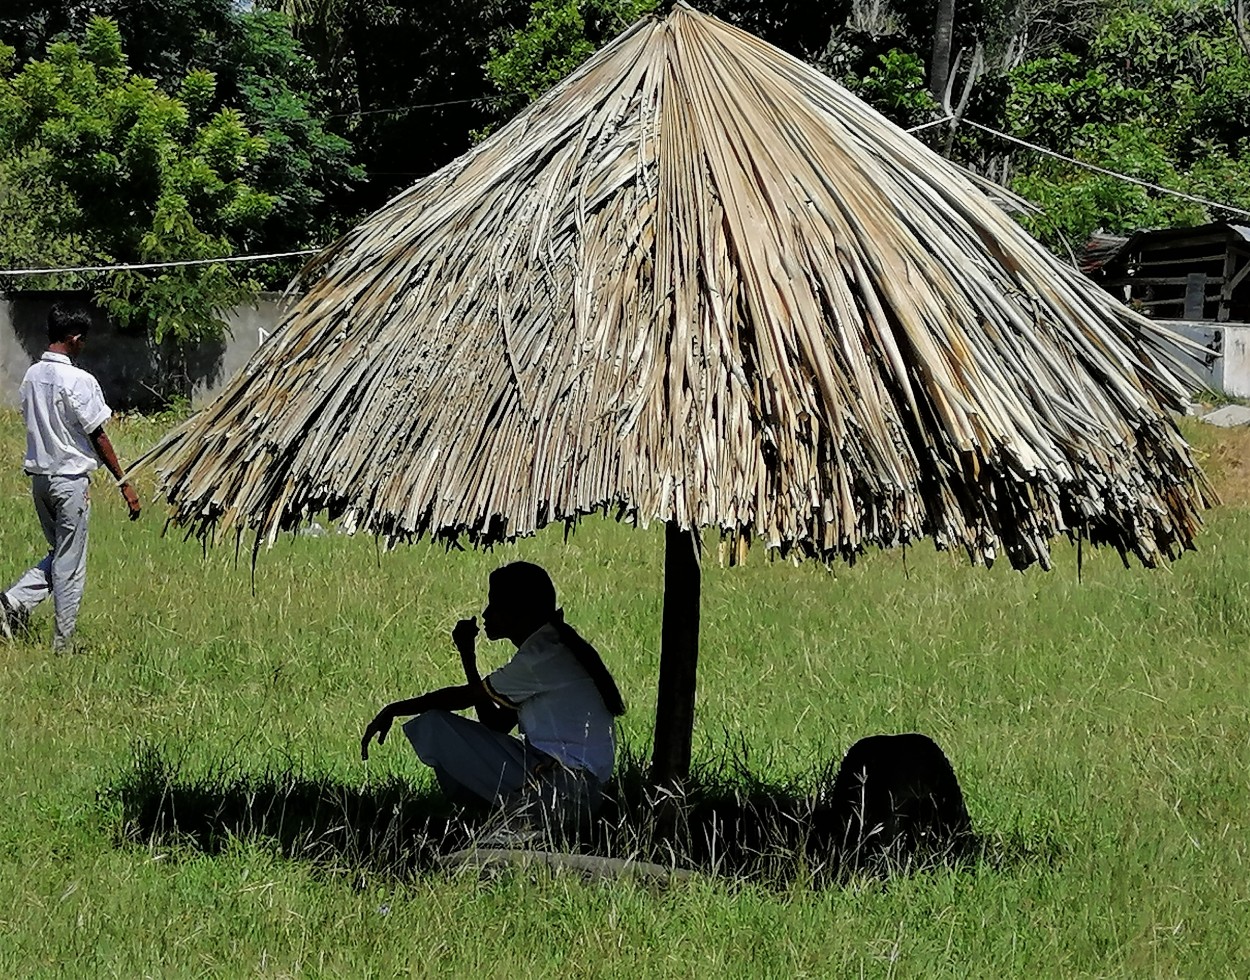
<point x="475" y="764"/>
<point x="63" y="508"/>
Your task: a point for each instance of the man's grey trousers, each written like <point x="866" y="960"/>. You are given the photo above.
<point x="62" y="505"/>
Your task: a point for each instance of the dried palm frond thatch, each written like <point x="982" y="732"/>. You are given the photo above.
<point x="698" y="282"/>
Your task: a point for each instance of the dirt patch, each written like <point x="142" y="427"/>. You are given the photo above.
<point x="1224" y="455"/>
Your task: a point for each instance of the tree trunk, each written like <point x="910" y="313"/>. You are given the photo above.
<point x="943" y="37"/>
<point x="679" y="657"/>
<point x="1239" y="22"/>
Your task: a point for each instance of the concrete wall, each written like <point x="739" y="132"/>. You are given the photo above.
<point x="133" y="372"/>
<point x="1226" y="365"/>
<point x="1235" y="376"/>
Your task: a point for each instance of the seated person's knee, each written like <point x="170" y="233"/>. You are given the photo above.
<point x="424" y="730"/>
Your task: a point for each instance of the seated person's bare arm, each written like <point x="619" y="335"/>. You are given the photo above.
<point x="444" y="699"/>
<point x="490" y="712"/>
<point x="472" y="694"/>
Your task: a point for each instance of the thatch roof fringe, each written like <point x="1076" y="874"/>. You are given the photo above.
<point x="698" y="281"/>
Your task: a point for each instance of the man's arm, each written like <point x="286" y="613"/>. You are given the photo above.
<point x="489" y="712"/>
<point x="444" y="699"/>
<point x="104" y="449"/>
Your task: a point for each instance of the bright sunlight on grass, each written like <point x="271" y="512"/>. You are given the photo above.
<point x="1099" y="728"/>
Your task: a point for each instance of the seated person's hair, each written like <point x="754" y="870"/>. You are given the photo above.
<point x="67" y="321"/>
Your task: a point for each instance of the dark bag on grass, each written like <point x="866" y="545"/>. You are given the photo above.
<point x="895" y="796"/>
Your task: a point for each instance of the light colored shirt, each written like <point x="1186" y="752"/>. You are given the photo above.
<point x="62" y="405"/>
<point x="560" y="711"/>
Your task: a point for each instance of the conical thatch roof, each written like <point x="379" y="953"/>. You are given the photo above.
<point x="698" y="281"/>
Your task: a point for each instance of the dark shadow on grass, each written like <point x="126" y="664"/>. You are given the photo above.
<point x="385" y="826"/>
<point x="728" y="823"/>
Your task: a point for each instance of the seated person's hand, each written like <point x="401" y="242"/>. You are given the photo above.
<point x="464" y="633"/>
<point x="380" y="726"/>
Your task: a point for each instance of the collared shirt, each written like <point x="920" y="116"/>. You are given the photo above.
<point x="560" y="711"/>
<point x="62" y="405"/>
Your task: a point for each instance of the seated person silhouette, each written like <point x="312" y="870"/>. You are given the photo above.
<point x="555" y="688"/>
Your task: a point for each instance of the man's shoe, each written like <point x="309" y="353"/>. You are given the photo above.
<point x="13" y="619"/>
<point x="62" y="645"/>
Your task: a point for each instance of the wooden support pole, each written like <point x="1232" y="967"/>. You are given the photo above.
<point x="1232" y="279"/>
<point x="679" y="658"/>
<point x="1226" y="292"/>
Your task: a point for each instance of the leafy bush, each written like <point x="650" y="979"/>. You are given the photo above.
<point x="130" y="174"/>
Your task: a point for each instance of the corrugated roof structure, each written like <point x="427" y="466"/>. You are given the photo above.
<point x="1191" y="273"/>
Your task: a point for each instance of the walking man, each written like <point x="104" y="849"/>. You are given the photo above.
<point x="65" y="412"/>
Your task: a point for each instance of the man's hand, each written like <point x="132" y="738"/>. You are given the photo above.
<point x="463" y="635"/>
<point x="380" y="726"/>
<point x="132" y="500"/>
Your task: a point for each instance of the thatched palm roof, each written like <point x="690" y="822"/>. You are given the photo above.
<point x="699" y="282"/>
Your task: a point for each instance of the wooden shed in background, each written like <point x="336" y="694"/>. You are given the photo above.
<point x="1188" y="274"/>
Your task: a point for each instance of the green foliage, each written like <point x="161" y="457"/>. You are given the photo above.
<point x="218" y="54"/>
<point x="28" y="206"/>
<point x="1162" y="95"/>
<point x="559" y="36"/>
<point x="896" y="86"/>
<point x="133" y="174"/>
<point x="305" y="167"/>
<point x="403" y="81"/>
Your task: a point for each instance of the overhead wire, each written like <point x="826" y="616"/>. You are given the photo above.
<point x="1159" y="188"/>
<point x="175" y="263"/>
<point x="397" y="109"/>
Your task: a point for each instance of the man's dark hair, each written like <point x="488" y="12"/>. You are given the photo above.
<point x="528" y="586"/>
<point x="67" y="321"/>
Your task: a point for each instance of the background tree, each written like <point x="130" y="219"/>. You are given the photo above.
<point x="943" y="38"/>
<point x="260" y="72"/>
<point x="114" y="170"/>
<point x="403" y="80"/>
<point x="1162" y="93"/>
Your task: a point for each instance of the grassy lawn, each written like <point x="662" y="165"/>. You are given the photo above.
<point x="1100" y="729"/>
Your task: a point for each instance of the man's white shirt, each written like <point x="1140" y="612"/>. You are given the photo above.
<point x="559" y="709"/>
<point x="62" y="405"/>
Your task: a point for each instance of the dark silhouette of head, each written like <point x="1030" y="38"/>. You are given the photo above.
<point x="68" y="327"/>
<point x="522" y="598"/>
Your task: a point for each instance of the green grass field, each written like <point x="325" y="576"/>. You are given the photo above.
<point x="1100" y="729"/>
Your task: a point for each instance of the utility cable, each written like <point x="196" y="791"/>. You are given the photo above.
<point x="397" y="109"/>
<point x="930" y="125"/>
<point x="158" y="265"/>
<point x="1108" y="173"/>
